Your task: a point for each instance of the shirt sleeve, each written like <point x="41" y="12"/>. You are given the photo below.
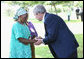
<point x="18" y="32"/>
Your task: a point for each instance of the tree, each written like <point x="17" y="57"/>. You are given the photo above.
<point x="55" y="3"/>
<point x="24" y="3"/>
<point x="78" y="4"/>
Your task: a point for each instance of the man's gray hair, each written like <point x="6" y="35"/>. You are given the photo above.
<point x="39" y="9"/>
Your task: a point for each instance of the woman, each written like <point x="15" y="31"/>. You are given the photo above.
<point x="20" y="42"/>
<point x="33" y="35"/>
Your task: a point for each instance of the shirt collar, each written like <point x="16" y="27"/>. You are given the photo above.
<point x="43" y="17"/>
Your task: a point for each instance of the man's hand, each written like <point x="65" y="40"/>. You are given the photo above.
<point x="38" y="42"/>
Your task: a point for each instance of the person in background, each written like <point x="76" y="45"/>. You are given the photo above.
<point x="77" y="12"/>
<point x="33" y="35"/>
<point x="69" y="14"/>
<point x="20" y="36"/>
<point x="81" y="14"/>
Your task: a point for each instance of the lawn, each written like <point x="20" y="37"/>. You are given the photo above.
<point x="43" y="51"/>
<point x="36" y="21"/>
<point x="80" y="48"/>
<point x="73" y="21"/>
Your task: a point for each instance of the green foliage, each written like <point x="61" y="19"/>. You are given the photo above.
<point x="58" y="10"/>
<point x="78" y="4"/>
<point x="52" y="4"/>
<point x="9" y="12"/>
<point x="32" y="3"/>
<point x="79" y="38"/>
<point x="24" y="3"/>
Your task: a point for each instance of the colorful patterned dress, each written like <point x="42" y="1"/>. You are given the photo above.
<point x="18" y="49"/>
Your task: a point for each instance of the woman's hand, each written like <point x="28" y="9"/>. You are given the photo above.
<point x="27" y="41"/>
<point x="32" y="40"/>
<point x="39" y="41"/>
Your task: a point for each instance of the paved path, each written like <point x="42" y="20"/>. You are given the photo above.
<point x="76" y="28"/>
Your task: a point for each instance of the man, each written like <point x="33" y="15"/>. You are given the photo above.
<point x="69" y="14"/>
<point x="58" y="37"/>
<point x="81" y="14"/>
<point x="77" y="12"/>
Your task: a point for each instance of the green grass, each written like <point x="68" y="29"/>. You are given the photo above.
<point x="34" y="20"/>
<point x="71" y="21"/>
<point x="43" y="51"/>
<point x="80" y="48"/>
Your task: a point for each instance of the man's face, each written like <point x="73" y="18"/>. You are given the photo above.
<point x="39" y="16"/>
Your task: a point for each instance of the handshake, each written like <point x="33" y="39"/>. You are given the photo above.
<point x="37" y="40"/>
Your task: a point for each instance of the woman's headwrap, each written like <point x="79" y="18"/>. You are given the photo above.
<point x="19" y="12"/>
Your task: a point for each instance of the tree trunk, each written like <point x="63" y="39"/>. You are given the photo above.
<point x="51" y="7"/>
<point x="55" y="9"/>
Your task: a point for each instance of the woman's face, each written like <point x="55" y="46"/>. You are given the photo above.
<point x="23" y="18"/>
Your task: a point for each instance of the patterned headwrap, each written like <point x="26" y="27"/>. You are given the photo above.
<point x="19" y="12"/>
